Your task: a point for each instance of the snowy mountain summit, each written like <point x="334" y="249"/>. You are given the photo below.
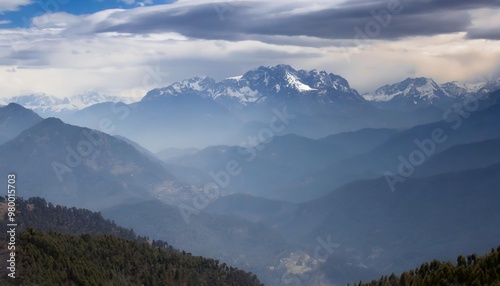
<point x="416" y="89"/>
<point x="47" y="105"/>
<point x="418" y="92"/>
<point x="262" y="84"/>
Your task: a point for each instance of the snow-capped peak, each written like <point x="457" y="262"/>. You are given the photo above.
<point x="48" y="105"/>
<point x="263" y="84"/>
<point x="422" y="88"/>
<point x="426" y="89"/>
<point x="194" y="85"/>
<point x="469" y="87"/>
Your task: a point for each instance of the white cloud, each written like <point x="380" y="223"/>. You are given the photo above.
<point x="138" y="3"/>
<point x="13" y="5"/>
<point x="485" y="23"/>
<point x="63" y="55"/>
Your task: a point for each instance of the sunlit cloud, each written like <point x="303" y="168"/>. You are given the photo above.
<point x="111" y="50"/>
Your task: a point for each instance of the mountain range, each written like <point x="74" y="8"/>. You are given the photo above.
<point x="276" y="85"/>
<point x="190" y="113"/>
<point x="46" y="105"/>
<point x="268" y="85"/>
<point x="76" y="166"/>
<point x="314" y="183"/>
<point x="413" y="93"/>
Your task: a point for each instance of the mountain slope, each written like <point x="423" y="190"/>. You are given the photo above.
<point x="394" y="154"/>
<point x="47" y="106"/>
<point x="462" y="157"/>
<point x="361" y="141"/>
<point x="251" y="208"/>
<point x="80" y="167"/>
<point x="272" y="166"/>
<point x="251" y="246"/>
<point x="91" y="260"/>
<point x="424" y="218"/>
<point x="14" y="119"/>
<point x="82" y="247"/>
<point x="265" y="167"/>
<point x="414" y="93"/>
<point x="160" y="122"/>
<point x="41" y="215"/>
<point x="477" y="270"/>
<point x="409" y="94"/>
<point x="172" y="154"/>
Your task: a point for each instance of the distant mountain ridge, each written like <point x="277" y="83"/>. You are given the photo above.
<point x="273" y="84"/>
<point x="14" y="119"/>
<point x="46" y="105"/>
<point x="201" y="112"/>
<point x="81" y="167"/>
<point x="421" y="91"/>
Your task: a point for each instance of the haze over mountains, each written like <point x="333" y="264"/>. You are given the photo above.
<point x="14" y="119"/>
<point x="295" y="175"/>
<point x="417" y="92"/>
<point x="80" y="167"/>
<point x="246" y="104"/>
<point x="47" y="106"/>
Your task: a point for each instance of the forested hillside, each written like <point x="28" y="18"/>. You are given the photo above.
<point x="41" y="215"/>
<point x="60" y="259"/>
<point x="68" y="246"/>
<point x="472" y="270"/>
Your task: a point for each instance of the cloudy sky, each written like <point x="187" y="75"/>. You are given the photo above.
<point x="126" y="47"/>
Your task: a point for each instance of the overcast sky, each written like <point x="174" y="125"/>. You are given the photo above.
<point x="126" y="47"/>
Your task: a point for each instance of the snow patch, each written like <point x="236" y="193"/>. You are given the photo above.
<point x="235" y="77"/>
<point x="244" y="94"/>
<point x="379" y="96"/>
<point x="294" y="82"/>
<point x="427" y="90"/>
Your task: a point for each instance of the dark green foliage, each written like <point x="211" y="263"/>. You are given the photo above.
<point x="95" y="251"/>
<point x="60" y="259"/>
<point x="37" y="213"/>
<point x="472" y="270"/>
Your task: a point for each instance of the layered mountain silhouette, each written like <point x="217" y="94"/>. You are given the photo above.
<point x="226" y="238"/>
<point x="77" y="166"/>
<point x="84" y="248"/>
<point x="191" y="113"/>
<point x="302" y="162"/>
<point x="14" y="119"/>
<point x="405" y="151"/>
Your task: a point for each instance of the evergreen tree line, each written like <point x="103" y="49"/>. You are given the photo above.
<point x="37" y="213"/>
<point x="472" y="270"/>
<point x="60" y="259"/>
<point x="58" y="245"/>
<point x="41" y="215"/>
